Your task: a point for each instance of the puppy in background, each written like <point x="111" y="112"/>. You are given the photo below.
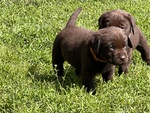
<point x="125" y="21"/>
<point x="90" y="52"/>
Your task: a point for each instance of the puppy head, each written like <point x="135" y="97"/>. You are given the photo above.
<point x="110" y="45"/>
<point x="118" y="18"/>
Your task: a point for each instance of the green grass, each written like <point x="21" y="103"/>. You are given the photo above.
<point x="27" y="82"/>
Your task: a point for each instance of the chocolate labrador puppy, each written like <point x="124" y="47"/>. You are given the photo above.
<point x="90" y="52"/>
<point x="125" y="21"/>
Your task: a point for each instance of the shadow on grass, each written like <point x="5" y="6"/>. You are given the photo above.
<point x="6" y="108"/>
<point x="70" y="79"/>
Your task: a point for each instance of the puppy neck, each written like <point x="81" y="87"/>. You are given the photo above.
<point x="95" y="57"/>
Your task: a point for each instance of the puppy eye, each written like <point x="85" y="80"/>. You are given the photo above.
<point x="122" y="26"/>
<point x="107" y="23"/>
<point x="111" y="47"/>
<point x="125" y="46"/>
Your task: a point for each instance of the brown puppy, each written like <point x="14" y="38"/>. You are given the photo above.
<point x="90" y="52"/>
<point x="125" y="21"/>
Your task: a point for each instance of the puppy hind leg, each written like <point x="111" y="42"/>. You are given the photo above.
<point x="144" y="49"/>
<point x="60" y="69"/>
<point x="77" y="72"/>
<point x="58" y="66"/>
<point x="58" y="61"/>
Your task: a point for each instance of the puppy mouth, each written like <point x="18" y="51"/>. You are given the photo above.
<point x="117" y="62"/>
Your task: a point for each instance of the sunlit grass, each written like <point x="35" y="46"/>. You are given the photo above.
<point x="27" y="81"/>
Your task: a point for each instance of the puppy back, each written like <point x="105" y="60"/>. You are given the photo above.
<point x="72" y="20"/>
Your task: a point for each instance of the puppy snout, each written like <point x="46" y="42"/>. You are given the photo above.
<point x="123" y="57"/>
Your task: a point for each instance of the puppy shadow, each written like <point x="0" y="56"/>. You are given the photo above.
<point x="69" y="80"/>
<point x="35" y="76"/>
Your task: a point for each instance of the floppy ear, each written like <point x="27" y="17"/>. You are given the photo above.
<point x="100" y="21"/>
<point x="132" y="22"/>
<point x="95" y="42"/>
<point x="129" y="43"/>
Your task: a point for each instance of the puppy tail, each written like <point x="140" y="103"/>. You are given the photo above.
<point x="72" y="19"/>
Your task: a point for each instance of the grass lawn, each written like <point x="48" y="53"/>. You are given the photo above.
<point x="27" y="82"/>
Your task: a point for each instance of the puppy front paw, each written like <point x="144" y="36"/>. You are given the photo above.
<point x="122" y="70"/>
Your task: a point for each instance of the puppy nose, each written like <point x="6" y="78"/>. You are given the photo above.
<point x="122" y="57"/>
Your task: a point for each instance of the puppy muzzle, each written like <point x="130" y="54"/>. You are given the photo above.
<point x="119" y="60"/>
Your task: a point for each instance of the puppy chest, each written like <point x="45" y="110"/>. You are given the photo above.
<point x="97" y="67"/>
<point x="102" y="67"/>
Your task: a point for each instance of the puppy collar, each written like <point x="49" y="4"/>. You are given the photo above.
<point x="97" y="59"/>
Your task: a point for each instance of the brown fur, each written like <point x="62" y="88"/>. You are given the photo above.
<point x="125" y="21"/>
<point x="108" y="48"/>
